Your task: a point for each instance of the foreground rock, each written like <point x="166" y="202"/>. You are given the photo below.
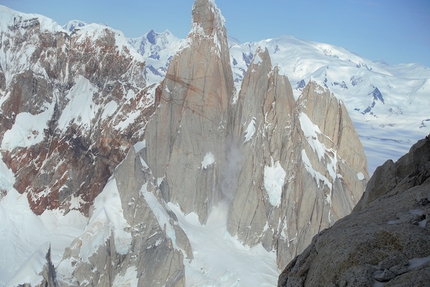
<point x="384" y="239"/>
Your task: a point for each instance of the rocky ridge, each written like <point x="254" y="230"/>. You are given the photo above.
<point x="373" y="92"/>
<point x="384" y="241"/>
<point x="67" y="100"/>
<point x="285" y="169"/>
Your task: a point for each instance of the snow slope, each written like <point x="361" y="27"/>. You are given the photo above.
<point x="23" y="236"/>
<point x="219" y="258"/>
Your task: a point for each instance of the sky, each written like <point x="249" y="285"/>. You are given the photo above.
<point x="396" y="31"/>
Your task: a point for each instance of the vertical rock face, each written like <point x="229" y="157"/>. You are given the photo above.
<point x="125" y="239"/>
<point x="285" y="168"/>
<point x="186" y="137"/>
<point x="298" y="175"/>
<point x="384" y="239"/>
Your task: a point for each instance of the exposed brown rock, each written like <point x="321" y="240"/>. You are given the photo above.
<point x="75" y="161"/>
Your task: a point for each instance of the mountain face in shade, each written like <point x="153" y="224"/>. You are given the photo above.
<point x="385" y="238"/>
<point x="160" y="183"/>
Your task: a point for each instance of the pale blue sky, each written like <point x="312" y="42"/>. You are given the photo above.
<point x="397" y="31"/>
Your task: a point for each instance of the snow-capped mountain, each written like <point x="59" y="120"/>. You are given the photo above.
<point x="129" y="161"/>
<point x="72" y="103"/>
<point x="157" y="49"/>
<point x="385" y="102"/>
<point x="74" y="24"/>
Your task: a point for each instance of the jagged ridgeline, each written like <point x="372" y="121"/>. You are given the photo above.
<point x="187" y="182"/>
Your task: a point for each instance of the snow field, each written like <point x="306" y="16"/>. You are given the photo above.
<point x="219" y="258"/>
<point x="24" y="235"/>
<point x="27" y="129"/>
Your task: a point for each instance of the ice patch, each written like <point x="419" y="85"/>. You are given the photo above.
<point x="208" y="160"/>
<point x="139" y="146"/>
<point x="315" y="174"/>
<point x="274" y="179"/>
<point x="250" y="130"/>
<point x="360" y="176"/>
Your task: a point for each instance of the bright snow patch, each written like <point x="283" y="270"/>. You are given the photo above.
<point x="360" y="176"/>
<point x="109" y="109"/>
<point x="219" y="258"/>
<point x="417" y="262"/>
<point x="27" y="130"/>
<point x="250" y="130"/>
<point x="311" y="132"/>
<point x="107" y="217"/>
<point x="139" y="146"/>
<point x="257" y="59"/>
<point x="80" y="108"/>
<point x="160" y="213"/>
<point x="7" y="178"/>
<point x="315" y="174"/>
<point x="319" y="89"/>
<point x="131" y="118"/>
<point x="274" y="177"/>
<point x="208" y="160"/>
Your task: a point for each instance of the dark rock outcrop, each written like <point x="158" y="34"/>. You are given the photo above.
<point x="384" y="239"/>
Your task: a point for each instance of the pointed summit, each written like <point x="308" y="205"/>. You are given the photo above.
<point x="208" y="24"/>
<point x="191" y="120"/>
<point x="207" y="16"/>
